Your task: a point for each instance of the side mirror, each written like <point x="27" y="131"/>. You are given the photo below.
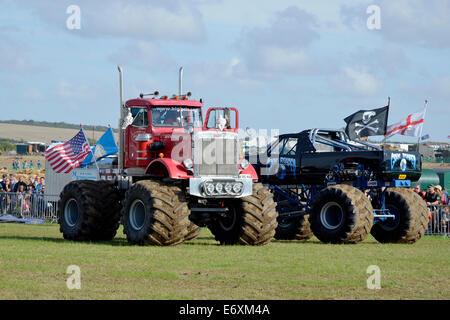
<point x="189" y="128"/>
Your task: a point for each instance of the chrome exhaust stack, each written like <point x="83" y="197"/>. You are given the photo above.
<point x="121" y="120"/>
<point x="180" y="82"/>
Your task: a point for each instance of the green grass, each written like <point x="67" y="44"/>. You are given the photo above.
<point x="34" y="259"/>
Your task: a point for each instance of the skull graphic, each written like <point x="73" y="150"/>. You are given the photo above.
<point x="367" y="116"/>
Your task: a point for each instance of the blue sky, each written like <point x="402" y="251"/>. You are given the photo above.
<point x="288" y="65"/>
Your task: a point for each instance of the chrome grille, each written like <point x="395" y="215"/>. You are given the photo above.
<point x="216" y="154"/>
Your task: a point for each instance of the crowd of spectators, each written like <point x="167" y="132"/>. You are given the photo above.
<point x="435" y="194"/>
<point x="34" y="184"/>
<point x="19" y="194"/>
<point x="436" y="198"/>
<point x="16" y="165"/>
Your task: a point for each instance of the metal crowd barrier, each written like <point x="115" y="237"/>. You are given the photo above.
<point x="28" y="205"/>
<point x="440" y="220"/>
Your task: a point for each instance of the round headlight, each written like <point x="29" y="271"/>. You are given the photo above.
<point x="219" y="187"/>
<point x="188" y="163"/>
<point x="228" y="188"/>
<point x="209" y="187"/>
<point x="237" y="187"/>
<point x="244" y="164"/>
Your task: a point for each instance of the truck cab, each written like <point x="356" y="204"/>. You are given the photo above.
<point x="155" y="127"/>
<point x="161" y="134"/>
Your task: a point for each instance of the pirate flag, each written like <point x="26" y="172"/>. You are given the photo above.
<point x="366" y="123"/>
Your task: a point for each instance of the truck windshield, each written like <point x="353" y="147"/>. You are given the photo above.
<point x="176" y="117"/>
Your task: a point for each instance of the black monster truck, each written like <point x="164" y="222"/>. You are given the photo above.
<point x="340" y="190"/>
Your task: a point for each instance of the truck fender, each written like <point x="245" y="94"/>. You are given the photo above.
<point x="251" y="171"/>
<point x="167" y="167"/>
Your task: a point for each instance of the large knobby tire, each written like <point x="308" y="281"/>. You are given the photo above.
<point x="192" y="232"/>
<point x="252" y="220"/>
<point x="89" y="210"/>
<point x="341" y="214"/>
<point x="154" y="213"/>
<point x="297" y="228"/>
<point x="411" y="217"/>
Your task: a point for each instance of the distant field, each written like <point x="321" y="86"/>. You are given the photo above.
<point x="40" y="134"/>
<point x="34" y="260"/>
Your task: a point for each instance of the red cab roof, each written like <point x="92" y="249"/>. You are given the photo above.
<point x="163" y="102"/>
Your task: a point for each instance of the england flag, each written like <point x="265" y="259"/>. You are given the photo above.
<point x="412" y="126"/>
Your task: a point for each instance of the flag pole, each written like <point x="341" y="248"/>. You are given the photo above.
<point x="93" y="156"/>
<point x="384" y="138"/>
<point x="421" y="129"/>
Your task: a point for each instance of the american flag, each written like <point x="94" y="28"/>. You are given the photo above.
<point x="66" y="156"/>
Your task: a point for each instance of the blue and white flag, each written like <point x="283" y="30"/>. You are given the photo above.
<point x="105" y="146"/>
<point x="425" y="137"/>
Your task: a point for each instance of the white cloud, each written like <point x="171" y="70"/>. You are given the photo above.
<point x="69" y="91"/>
<point x="143" y="55"/>
<point x="282" y="47"/>
<point x="283" y="60"/>
<point x="422" y="22"/>
<point x="175" y="20"/>
<point x="14" y="55"/>
<point x="34" y="95"/>
<point x="388" y="59"/>
<point x="355" y="82"/>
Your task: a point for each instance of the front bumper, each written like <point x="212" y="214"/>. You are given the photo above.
<point x="197" y="187"/>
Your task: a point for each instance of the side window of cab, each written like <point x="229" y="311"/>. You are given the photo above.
<point x="225" y="115"/>
<point x="140" y="117"/>
<point x="289" y="147"/>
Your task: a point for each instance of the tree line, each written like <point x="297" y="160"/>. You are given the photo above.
<point x="56" y="125"/>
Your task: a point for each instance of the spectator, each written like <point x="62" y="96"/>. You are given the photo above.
<point x="12" y="181"/>
<point x="30" y="189"/>
<point x="3" y="199"/>
<point x="7" y="185"/>
<point x="21" y="203"/>
<point x="37" y="181"/>
<point x="444" y="196"/>
<point x="31" y="180"/>
<point x="40" y="188"/>
<point x="419" y="191"/>
<point x="446" y="219"/>
<point x="20" y="183"/>
<point x="2" y="184"/>
<point x="432" y="197"/>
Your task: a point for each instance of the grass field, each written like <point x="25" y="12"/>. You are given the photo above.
<point x="34" y="259"/>
<point x="41" y="134"/>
